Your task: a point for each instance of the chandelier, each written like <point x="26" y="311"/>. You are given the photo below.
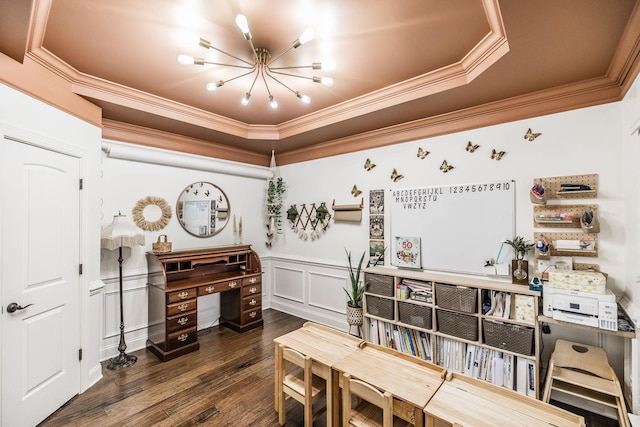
<point x="262" y="65"/>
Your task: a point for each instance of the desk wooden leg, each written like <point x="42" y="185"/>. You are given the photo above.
<point x="418" y="417"/>
<point x="333" y="401"/>
<point x="278" y="368"/>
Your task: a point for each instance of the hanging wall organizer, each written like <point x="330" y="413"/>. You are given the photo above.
<point x="309" y="222"/>
<point x="350" y="213"/>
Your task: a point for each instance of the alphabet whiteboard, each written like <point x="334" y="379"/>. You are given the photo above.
<point x="460" y="227"/>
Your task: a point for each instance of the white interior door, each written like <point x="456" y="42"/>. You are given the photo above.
<point x="40" y="266"/>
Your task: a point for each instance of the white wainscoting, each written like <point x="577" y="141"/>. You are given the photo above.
<point x="307" y="288"/>
<point x="135" y="303"/>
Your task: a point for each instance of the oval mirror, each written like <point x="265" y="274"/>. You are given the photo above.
<point x="202" y="209"/>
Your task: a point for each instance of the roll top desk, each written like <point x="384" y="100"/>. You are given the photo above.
<point x="176" y="280"/>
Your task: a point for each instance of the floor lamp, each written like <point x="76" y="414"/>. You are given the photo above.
<point x="121" y="233"/>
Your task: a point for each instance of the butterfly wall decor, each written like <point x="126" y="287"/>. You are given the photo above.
<point x="445" y="167"/>
<point x="531" y="135"/>
<point x="471" y="147"/>
<point x="422" y="153"/>
<point x="368" y="165"/>
<point x="355" y="192"/>
<point x="497" y="155"/>
<point x="395" y="176"/>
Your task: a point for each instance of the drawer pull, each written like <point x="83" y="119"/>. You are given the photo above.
<point x="253" y="280"/>
<point x="209" y="289"/>
<point x="183" y="307"/>
<point x="183" y="337"/>
<point x="253" y="290"/>
<point x="233" y="284"/>
<point x="253" y="314"/>
<point x="253" y="302"/>
<point x="183" y="295"/>
<point x="183" y="320"/>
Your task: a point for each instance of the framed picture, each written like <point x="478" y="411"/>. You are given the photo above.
<point x="406" y="252"/>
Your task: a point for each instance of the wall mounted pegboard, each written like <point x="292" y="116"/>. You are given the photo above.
<point x="553" y="186"/>
<point x="560" y="216"/>
<point x="585" y="239"/>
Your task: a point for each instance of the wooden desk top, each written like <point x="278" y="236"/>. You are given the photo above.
<point x="467" y="402"/>
<point x="323" y="344"/>
<point x="408" y="378"/>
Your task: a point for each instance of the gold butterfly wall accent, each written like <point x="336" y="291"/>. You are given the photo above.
<point x="368" y="165"/>
<point x="395" y="176"/>
<point x="445" y="167"/>
<point x="471" y="147"/>
<point x="497" y="155"/>
<point x="531" y="135"/>
<point x="355" y="192"/>
<point x="422" y="153"/>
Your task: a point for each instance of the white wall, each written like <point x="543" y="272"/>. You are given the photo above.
<point x="630" y="136"/>
<point x="124" y="182"/>
<point x="20" y="114"/>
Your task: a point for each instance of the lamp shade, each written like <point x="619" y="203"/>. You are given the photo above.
<point x="121" y="233"/>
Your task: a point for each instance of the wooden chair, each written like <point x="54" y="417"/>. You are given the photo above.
<point x="374" y="409"/>
<point x="296" y="380"/>
<point x="583" y="371"/>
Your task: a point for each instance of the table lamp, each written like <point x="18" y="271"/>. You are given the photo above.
<point x="121" y="233"/>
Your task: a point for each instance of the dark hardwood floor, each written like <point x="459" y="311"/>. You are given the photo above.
<point x="228" y="382"/>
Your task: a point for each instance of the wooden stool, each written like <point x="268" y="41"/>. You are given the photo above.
<point x="583" y="371"/>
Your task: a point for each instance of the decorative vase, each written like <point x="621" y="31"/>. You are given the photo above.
<point x="519" y="271"/>
<point x="354" y="316"/>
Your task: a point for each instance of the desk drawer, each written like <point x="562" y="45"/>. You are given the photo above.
<point x="251" y="315"/>
<point x="231" y="284"/>
<point x="250" y="290"/>
<point x="212" y="288"/>
<point x="253" y="280"/>
<point x="182" y="338"/>
<point x="181" y="307"/>
<point x="181" y="295"/>
<point x="181" y="321"/>
<point x="251" y="302"/>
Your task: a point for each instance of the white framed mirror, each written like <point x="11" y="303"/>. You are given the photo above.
<point x="203" y="209"/>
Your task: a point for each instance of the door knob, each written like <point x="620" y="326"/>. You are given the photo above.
<point x="13" y="307"/>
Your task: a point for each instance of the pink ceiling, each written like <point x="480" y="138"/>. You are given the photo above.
<point x="410" y="65"/>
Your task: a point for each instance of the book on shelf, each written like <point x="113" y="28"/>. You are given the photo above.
<point x="508" y="371"/>
<point x="521" y="375"/>
<point x="497" y="369"/>
<point x="531" y="378"/>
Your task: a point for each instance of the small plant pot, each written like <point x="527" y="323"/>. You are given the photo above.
<point x="355" y="316"/>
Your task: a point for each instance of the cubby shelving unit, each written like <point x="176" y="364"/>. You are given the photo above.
<point x="454" y="320"/>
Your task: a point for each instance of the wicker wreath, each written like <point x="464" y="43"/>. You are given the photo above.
<point x="142" y="222"/>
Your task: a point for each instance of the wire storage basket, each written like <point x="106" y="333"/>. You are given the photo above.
<point x="459" y="298"/>
<point x="509" y="337"/>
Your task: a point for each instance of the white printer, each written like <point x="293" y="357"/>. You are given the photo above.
<point x="571" y="304"/>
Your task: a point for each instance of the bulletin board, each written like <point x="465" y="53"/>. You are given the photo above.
<point x="460" y="227"/>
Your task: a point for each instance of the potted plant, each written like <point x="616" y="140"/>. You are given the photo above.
<point x="275" y="191"/>
<point x="519" y="266"/>
<point x="356" y="292"/>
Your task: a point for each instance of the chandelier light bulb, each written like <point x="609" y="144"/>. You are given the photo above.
<point x="306" y="36"/>
<point x="243" y="24"/>
<point x="214" y="85"/>
<point x="245" y="99"/>
<point x="186" y="60"/>
<point x="303" y="98"/>
<point x="326" y="81"/>
<point x="273" y="103"/>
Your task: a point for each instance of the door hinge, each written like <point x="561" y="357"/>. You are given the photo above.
<point x="81" y="183"/>
<point x="80" y="269"/>
<point x="80" y="354"/>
